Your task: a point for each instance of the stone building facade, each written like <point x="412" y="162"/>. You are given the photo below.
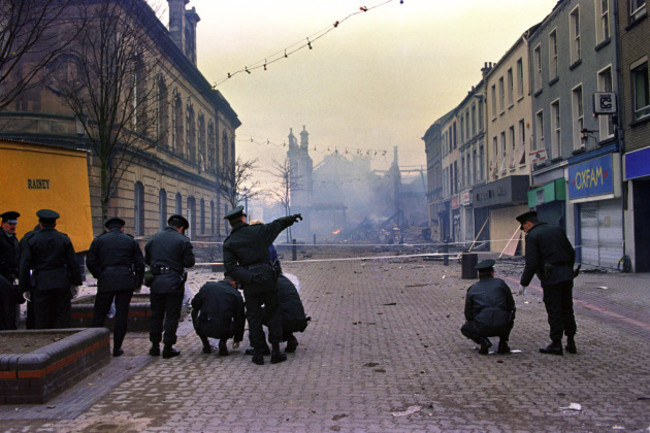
<point x="177" y="173"/>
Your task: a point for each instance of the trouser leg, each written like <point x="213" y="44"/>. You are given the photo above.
<point x="43" y="309"/>
<point x="568" y="318"/>
<point x="103" y="301"/>
<point x="157" y="317"/>
<point x="553" y="303"/>
<point x="7" y="304"/>
<point x="122" y="304"/>
<point x="275" y="321"/>
<point x="254" y="316"/>
<point x="173" y="305"/>
<point x="469" y="330"/>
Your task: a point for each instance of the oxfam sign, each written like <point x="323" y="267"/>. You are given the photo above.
<point x="592" y="177"/>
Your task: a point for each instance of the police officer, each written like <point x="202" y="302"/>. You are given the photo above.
<point x="246" y="257"/>
<point x="51" y="256"/>
<point x="489" y="310"/>
<point x="550" y="255"/>
<point x="168" y="253"/>
<point x="116" y="261"/>
<point x="218" y="312"/>
<point x="9" y="265"/>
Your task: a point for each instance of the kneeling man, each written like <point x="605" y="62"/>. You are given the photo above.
<point x="218" y="312"/>
<point x="489" y="310"/>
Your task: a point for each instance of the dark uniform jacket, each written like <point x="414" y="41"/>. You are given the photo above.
<point x="52" y="257"/>
<point x="489" y="303"/>
<point x="116" y="261"/>
<point x="218" y="311"/>
<point x="168" y="253"/>
<point x="549" y="254"/>
<point x="9" y="256"/>
<point x="291" y="308"/>
<point x="246" y="253"/>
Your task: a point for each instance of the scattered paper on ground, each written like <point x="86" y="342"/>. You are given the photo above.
<point x="409" y="411"/>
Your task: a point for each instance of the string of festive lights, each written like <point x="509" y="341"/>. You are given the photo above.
<point x="323" y="149"/>
<point x="307" y="42"/>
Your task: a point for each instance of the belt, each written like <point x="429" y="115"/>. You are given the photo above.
<point x="113" y="268"/>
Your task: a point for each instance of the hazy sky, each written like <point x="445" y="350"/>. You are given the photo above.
<point x="378" y="80"/>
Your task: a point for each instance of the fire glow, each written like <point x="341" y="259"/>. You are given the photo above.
<point x="337" y="231"/>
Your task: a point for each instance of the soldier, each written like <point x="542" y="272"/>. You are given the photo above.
<point x="246" y="258"/>
<point x="168" y="253"/>
<point x="116" y="261"/>
<point x="218" y="312"/>
<point x="549" y="254"/>
<point x="56" y="275"/>
<point x="489" y="310"/>
<point x="9" y="263"/>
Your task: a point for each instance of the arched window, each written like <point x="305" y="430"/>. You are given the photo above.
<point x="162" y="208"/>
<point x="213" y="218"/>
<point x="225" y="162"/>
<point x="138" y="208"/>
<point x="162" y="116"/>
<point x="191" y="217"/>
<point x="177" y="127"/>
<point x="202" y="231"/>
<point x="190" y="139"/>
<point x="212" y="147"/>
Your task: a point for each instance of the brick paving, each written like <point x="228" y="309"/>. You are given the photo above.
<point x="383" y="353"/>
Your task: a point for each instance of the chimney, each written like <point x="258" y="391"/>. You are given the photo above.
<point x="304" y="139"/>
<point x="487" y="67"/>
<point x="191" y="19"/>
<point x="182" y="27"/>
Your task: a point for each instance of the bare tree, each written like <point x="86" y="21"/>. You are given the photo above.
<point x="232" y="178"/>
<point x="31" y="36"/>
<point x="113" y="90"/>
<point x="289" y="181"/>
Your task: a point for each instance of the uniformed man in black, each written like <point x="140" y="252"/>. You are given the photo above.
<point x="246" y="257"/>
<point x="51" y="256"/>
<point x="168" y="253"/>
<point x="218" y="312"/>
<point x="10" y="295"/>
<point x="489" y="310"/>
<point x="550" y="255"/>
<point x="116" y="261"/>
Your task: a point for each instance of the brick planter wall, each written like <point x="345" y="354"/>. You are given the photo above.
<point x="37" y="376"/>
<point x="139" y="314"/>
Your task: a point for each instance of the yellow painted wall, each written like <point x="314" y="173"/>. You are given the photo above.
<point x="503" y="225"/>
<point x="40" y="177"/>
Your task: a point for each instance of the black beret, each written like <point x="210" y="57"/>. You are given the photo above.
<point x="114" y="222"/>
<point x="236" y="213"/>
<point x="178" y="220"/>
<point x="10" y="217"/>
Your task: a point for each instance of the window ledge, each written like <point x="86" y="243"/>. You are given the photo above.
<point x="575" y="64"/>
<point x="553" y="80"/>
<point x="602" y="44"/>
<point x="537" y="92"/>
<point x="637" y="18"/>
<point x="640" y="121"/>
<point x="580" y="150"/>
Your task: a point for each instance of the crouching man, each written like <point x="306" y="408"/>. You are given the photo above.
<point x="489" y="310"/>
<point x="218" y="312"/>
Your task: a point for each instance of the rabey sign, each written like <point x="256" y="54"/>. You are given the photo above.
<point x="594" y="177"/>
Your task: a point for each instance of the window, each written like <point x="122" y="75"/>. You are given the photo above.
<point x="577" y="111"/>
<point x="467" y="136"/>
<point x="495" y="147"/>
<point x="179" y="204"/>
<point x="480" y="114"/>
<point x="552" y="54"/>
<point x="637" y="8"/>
<point x="162" y="209"/>
<point x="539" y="130"/>
<point x="201" y="142"/>
<point x="212" y="147"/>
<point x="191" y="217"/>
<point x="475" y="177"/>
<point x="503" y="151"/>
<point x="213" y="218"/>
<point x="537" y="64"/>
<point x="138" y="208"/>
<point x="574" y="29"/>
<point x="190" y="133"/>
<point x="555" y="129"/>
<point x="511" y="88"/>
<point x="177" y="127"/>
<point x="602" y="20"/>
<point x="202" y="217"/>
<point x="481" y="162"/>
<point x="521" y="153"/>
<point x="520" y="78"/>
<point x="502" y="96"/>
<point x="511" y="138"/>
<point x="473" y="120"/>
<point x="462" y="129"/>
<point x="494" y="101"/>
<point x="605" y="122"/>
<point x="162" y="123"/>
<point x="640" y="89"/>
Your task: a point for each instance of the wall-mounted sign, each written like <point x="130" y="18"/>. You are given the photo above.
<point x="593" y="177"/>
<point x="605" y="103"/>
<point x="538" y="156"/>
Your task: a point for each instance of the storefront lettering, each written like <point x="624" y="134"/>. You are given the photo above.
<point x="38" y="183"/>
<point x="590" y="178"/>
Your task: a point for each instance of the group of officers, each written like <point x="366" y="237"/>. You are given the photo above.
<point x="42" y="268"/>
<point x="489" y="304"/>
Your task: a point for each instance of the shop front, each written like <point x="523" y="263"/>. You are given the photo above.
<point x="503" y="199"/>
<point x="549" y="201"/>
<point x="637" y="173"/>
<point x="594" y="186"/>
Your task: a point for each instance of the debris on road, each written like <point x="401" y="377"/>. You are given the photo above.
<point x="409" y="411"/>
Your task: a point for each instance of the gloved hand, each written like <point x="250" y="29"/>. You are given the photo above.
<point x="296" y="217"/>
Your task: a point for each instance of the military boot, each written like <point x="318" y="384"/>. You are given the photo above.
<point x="169" y="352"/>
<point x="276" y="355"/>
<point x="571" y="345"/>
<point x="485" y="346"/>
<point x="555" y="348"/>
<point x="292" y="344"/>
<point x="258" y="357"/>
<point x="503" y="347"/>
<point x="223" y="349"/>
<point x="155" y="350"/>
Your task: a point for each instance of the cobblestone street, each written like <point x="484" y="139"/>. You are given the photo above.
<point x="383" y="353"/>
